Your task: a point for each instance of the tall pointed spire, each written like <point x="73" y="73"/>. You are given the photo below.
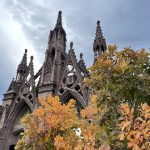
<point x="22" y="67"/>
<point x="71" y="45"/>
<point x="98" y="31"/>
<point x="59" y="19"/>
<point x="32" y="81"/>
<point x="99" y="45"/>
<point x="57" y="34"/>
<point x="24" y="59"/>
<point x="82" y="65"/>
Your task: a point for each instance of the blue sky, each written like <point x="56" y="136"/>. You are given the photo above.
<point x="26" y="24"/>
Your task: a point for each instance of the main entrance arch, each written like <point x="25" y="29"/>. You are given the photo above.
<point x="14" y="126"/>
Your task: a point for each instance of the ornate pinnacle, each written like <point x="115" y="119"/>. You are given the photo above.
<point x="59" y="19"/>
<point x="81" y="56"/>
<point x="98" y="31"/>
<point x="24" y="59"/>
<point x="98" y="23"/>
<point x="32" y="80"/>
<point x="31" y="66"/>
<point x="31" y="58"/>
<point x="31" y="62"/>
<point x="71" y="45"/>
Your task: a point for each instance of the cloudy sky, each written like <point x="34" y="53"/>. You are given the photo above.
<point x="26" y="24"/>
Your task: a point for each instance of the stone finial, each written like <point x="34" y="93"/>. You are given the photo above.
<point x="31" y="67"/>
<point x="98" y="23"/>
<point x="98" y="31"/>
<point x="81" y="56"/>
<point x="71" y="45"/>
<point x="59" y="19"/>
<point x="31" y="58"/>
<point x="24" y="59"/>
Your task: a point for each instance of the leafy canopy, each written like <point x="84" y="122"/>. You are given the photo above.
<point x="56" y="126"/>
<point x="119" y="76"/>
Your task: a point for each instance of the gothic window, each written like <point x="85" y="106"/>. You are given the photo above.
<point x="69" y="96"/>
<point x="97" y="48"/>
<point x="102" y="48"/>
<point x="53" y="55"/>
<point x="12" y="147"/>
<point x="70" y="81"/>
<point x="24" y="111"/>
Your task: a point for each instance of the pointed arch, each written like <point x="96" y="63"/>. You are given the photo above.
<point x="72" y="95"/>
<point x="102" y="48"/>
<point x="97" y="48"/>
<point x="12" y="134"/>
<point x="53" y="55"/>
<point x="21" y="107"/>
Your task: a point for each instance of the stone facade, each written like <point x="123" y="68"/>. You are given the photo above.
<point x="61" y="74"/>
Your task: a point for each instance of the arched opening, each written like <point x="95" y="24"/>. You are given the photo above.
<point x="17" y="128"/>
<point x="53" y="55"/>
<point x="102" y="48"/>
<point x="77" y="104"/>
<point x="97" y="47"/>
<point x="68" y="97"/>
<point x="65" y="98"/>
<point x="13" y="126"/>
<point x="12" y="147"/>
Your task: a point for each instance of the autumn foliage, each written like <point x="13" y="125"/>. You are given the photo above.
<point x="117" y="117"/>
<point x="135" y="130"/>
<point x="46" y="123"/>
<point x="119" y="76"/>
<point x="57" y="126"/>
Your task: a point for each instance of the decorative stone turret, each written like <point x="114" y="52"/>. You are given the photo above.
<point x="54" y="59"/>
<point x="99" y="45"/>
<point x="22" y="68"/>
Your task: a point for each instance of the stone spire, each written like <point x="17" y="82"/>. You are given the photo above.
<point x="82" y="64"/>
<point x="31" y="67"/>
<point x="24" y="59"/>
<point x="32" y="82"/>
<point x="81" y="56"/>
<point x="98" y="31"/>
<point x="99" y="45"/>
<point x="71" y="45"/>
<point x="22" y="67"/>
<point x="57" y="34"/>
<point x="59" y="19"/>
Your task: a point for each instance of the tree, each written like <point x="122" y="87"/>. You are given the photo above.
<point x="135" y="131"/>
<point x="50" y="119"/>
<point x="118" y="77"/>
<point x="56" y="126"/>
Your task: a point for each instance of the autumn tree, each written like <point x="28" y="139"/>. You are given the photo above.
<point x="54" y="125"/>
<point x="135" y="131"/>
<point x="118" y="77"/>
<point x="49" y="120"/>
